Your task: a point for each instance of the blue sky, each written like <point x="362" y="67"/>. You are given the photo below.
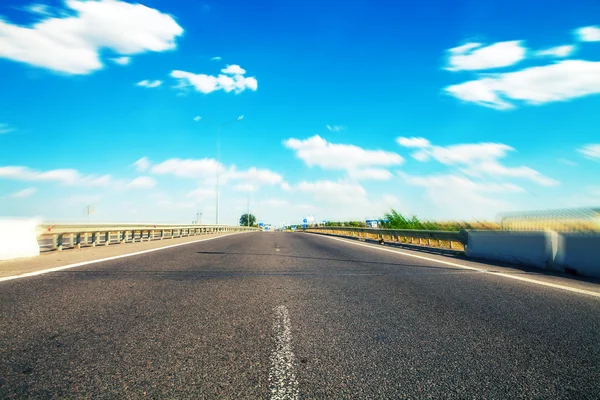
<point x="447" y="110"/>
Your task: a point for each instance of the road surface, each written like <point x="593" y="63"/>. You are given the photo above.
<point x="293" y="315"/>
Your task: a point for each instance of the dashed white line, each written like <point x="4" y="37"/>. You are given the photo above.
<point x="55" y="269"/>
<point x="282" y="375"/>
<point x="501" y="274"/>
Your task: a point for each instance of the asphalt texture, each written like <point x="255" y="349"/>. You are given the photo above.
<point x="199" y="321"/>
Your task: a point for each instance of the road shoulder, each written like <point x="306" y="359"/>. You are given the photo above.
<point x="522" y="274"/>
<point x="59" y="259"/>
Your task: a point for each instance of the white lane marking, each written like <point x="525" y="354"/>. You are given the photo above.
<point x="46" y="271"/>
<point x="282" y="375"/>
<point x="501" y="274"/>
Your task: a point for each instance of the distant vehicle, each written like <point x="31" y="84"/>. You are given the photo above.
<point x="372" y="223"/>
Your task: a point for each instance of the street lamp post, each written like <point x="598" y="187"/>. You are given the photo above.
<point x="248" y="219"/>
<point x="218" y="167"/>
<point x="241" y="117"/>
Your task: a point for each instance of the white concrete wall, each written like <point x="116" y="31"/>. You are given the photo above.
<point x="523" y="248"/>
<point x="579" y="251"/>
<point x="18" y="238"/>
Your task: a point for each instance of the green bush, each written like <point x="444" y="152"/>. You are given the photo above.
<point x="395" y="220"/>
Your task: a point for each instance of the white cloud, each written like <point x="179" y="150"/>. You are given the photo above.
<point x="376" y="174"/>
<point x="465" y="48"/>
<point x="316" y="151"/>
<point x="21" y="194"/>
<point x="121" y="60"/>
<point x="197" y="118"/>
<point x="285" y="187"/>
<point x="63" y="176"/>
<point x="495" y="169"/>
<point x="480" y="159"/>
<point x="245" y="187"/>
<point x="305" y="207"/>
<point x="217" y="58"/>
<point x="334" y="201"/>
<point x="142" y="164"/>
<point x="81" y="200"/>
<point x="459" y="182"/>
<point x="72" y="44"/>
<point x="187" y="168"/>
<point x="472" y="56"/>
<point x="94" y="181"/>
<point x="333" y="192"/>
<point x="588" y="34"/>
<point x="591" y="151"/>
<point x="561" y="81"/>
<point x="390" y="201"/>
<point x="463" y="153"/>
<point x="584" y="197"/>
<point x="142" y="182"/>
<point x="417" y="142"/>
<point x="560" y="51"/>
<point x="39" y="9"/>
<point x="176" y="204"/>
<point x="254" y="176"/>
<point x="206" y="169"/>
<point x="566" y="162"/>
<point x="274" y="203"/>
<point x="232" y="79"/>
<point x="233" y="70"/>
<point x="202" y="194"/>
<point x="334" y="128"/>
<point x="149" y="84"/>
<point x="4" y="128"/>
<point x="460" y="197"/>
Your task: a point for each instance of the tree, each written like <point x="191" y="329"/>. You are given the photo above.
<point x="244" y="220"/>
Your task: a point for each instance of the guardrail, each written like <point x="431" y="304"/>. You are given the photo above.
<point x="439" y="239"/>
<point x="59" y="236"/>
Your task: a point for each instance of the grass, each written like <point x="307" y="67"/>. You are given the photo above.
<point x="395" y="220"/>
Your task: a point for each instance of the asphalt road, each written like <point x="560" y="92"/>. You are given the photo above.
<point x="292" y="315"/>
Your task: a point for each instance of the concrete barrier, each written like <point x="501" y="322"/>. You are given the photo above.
<point x="18" y="238"/>
<point x="579" y="252"/>
<point x="524" y="248"/>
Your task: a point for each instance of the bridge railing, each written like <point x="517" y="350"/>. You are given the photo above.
<point x="439" y="239"/>
<point x="59" y="236"/>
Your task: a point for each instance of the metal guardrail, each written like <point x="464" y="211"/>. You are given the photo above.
<point x="454" y="240"/>
<point x="59" y="236"/>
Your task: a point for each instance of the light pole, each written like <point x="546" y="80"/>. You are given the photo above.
<point x="248" y="219"/>
<point x="241" y="117"/>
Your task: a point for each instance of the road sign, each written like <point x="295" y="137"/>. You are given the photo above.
<point x="304" y="226"/>
<point x="304" y="221"/>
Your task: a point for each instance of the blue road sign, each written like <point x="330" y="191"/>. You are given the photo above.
<point x="304" y="225"/>
<point x="305" y="220"/>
